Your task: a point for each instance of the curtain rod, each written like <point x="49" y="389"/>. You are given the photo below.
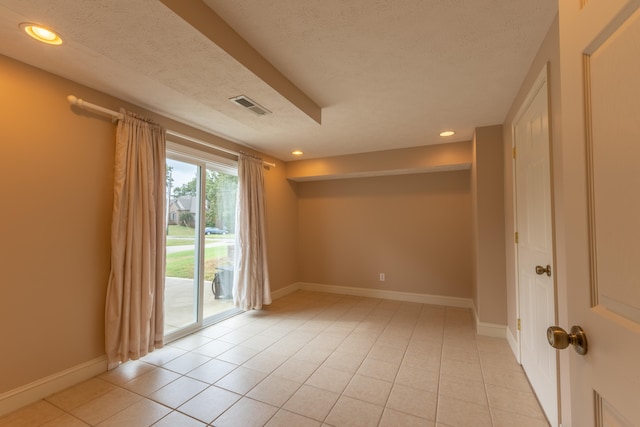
<point x="118" y="116"/>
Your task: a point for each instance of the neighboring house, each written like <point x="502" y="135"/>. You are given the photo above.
<point x="180" y="206"/>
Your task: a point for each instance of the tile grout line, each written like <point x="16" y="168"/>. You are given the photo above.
<point x="484" y="386"/>
<point x="303" y="383"/>
<point x="118" y="386"/>
<point x="359" y="366"/>
<point x="396" y="375"/>
<point x="444" y="331"/>
<point x="360" y="312"/>
<point x="245" y="395"/>
<point x="290" y="357"/>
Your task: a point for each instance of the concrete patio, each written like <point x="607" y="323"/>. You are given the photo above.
<point x="180" y="303"/>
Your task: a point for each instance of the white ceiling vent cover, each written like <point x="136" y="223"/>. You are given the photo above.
<point x="247" y="103"/>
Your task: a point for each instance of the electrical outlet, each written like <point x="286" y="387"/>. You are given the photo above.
<point x="382" y="277"/>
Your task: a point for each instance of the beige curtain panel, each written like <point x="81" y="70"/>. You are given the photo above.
<point x="251" y="282"/>
<point x="134" y="316"/>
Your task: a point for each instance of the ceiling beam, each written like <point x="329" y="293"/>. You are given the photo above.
<point x="211" y="25"/>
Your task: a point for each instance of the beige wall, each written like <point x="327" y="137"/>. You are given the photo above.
<point x="414" y="228"/>
<point x="282" y="227"/>
<point x="548" y="54"/>
<point x="489" y="290"/>
<point x="56" y="173"/>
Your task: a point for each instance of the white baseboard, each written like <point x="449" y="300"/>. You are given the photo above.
<point x="384" y="294"/>
<point x="486" y="329"/>
<point x="491" y="330"/>
<point x="39" y="389"/>
<point x="482" y="328"/>
<point x="513" y="343"/>
<point x="285" y="291"/>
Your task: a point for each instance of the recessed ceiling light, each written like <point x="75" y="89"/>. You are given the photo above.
<point x="297" y="153"/>
<point x="42" y="34"/>
<point x="447" y="133"/>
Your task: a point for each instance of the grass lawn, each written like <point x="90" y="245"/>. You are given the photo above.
<point x="180" y="231"/>
<point x="180" y="264"/>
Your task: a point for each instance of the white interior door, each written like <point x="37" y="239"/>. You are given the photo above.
<point x="536" y="290"/>
<point x="600" y="71"/>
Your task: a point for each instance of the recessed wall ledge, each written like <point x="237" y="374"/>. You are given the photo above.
<point x="425" y="159"/>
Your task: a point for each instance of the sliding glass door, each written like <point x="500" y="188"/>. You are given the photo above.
<point x="219" y="236"/>
<point x="201" y="202"/>
<point x="183" y="247"/>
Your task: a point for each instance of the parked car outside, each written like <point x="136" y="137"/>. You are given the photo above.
<point x="215" y="230"/>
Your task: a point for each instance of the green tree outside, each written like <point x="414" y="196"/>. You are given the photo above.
<point x="220" y="198"/>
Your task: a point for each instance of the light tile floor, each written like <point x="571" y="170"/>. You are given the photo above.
<point x="310" y="359"/>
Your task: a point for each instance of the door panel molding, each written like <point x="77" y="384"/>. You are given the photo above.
<point x="610" y="104"/>
<point x="593" y="274"/>
<point x="606" y="415"/>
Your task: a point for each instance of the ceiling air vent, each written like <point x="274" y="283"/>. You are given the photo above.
<point x="247" y="103"/>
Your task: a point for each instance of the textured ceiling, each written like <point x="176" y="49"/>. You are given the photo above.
<point x="385" y="73"/>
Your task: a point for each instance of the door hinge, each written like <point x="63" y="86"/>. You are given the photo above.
<point x="516" y="237"/>
<point x="519" y="326"/>
<point x="514" y="152"/>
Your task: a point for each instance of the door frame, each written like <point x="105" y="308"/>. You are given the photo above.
<point x="540" y="81"/>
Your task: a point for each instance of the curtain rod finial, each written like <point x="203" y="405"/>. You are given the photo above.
<point x="74" y="100"/>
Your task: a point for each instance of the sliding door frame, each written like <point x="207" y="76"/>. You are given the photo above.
<point x="203" y="161"/>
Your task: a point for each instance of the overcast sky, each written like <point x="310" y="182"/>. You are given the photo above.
<point x="182" y="172"/>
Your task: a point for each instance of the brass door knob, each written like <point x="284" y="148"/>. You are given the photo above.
<point x="560" y="339"/>
<point x="540" y="270"/>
